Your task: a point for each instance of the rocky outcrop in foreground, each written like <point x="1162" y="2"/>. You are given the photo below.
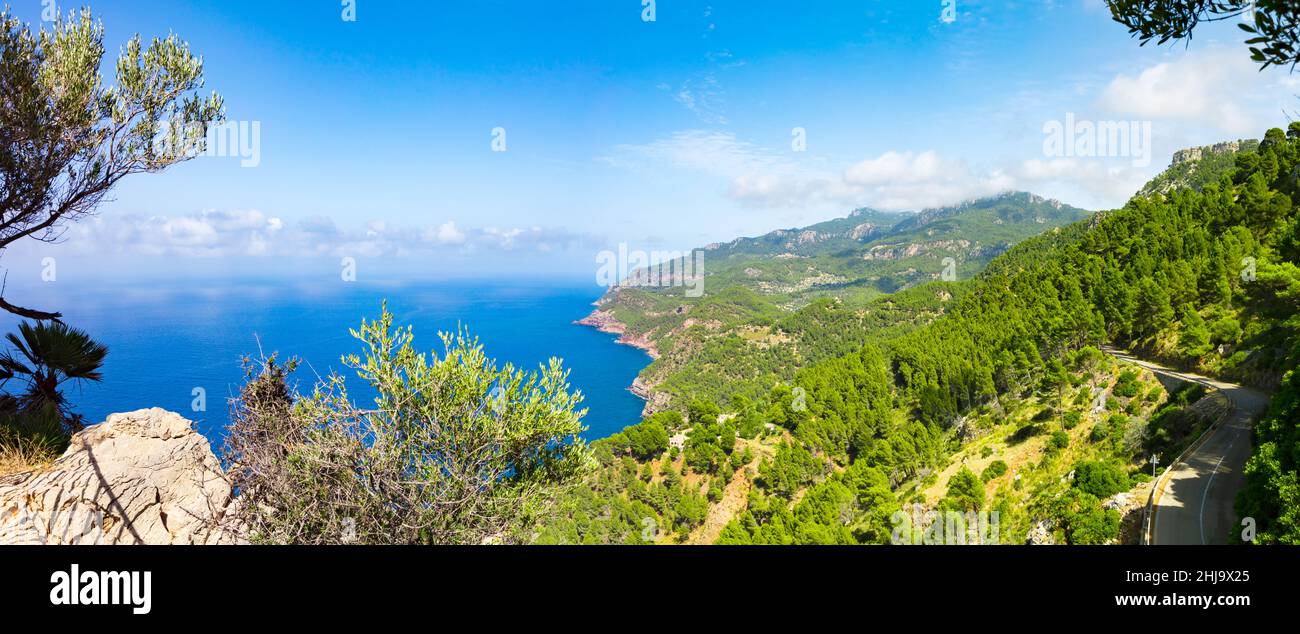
<point x="144" y="477"/>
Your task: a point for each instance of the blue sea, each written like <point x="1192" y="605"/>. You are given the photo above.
<point x="165" y="340"/>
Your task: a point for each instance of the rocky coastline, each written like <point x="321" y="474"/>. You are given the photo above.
<point x="605" y="322"/>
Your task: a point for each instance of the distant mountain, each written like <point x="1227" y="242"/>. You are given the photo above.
<point x="862" y="224"/>
<point x="818" y="423"/>
<point x="781" y="300"/>
<point x="872" y="252"/>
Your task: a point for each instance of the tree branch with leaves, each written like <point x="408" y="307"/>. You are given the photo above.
<point x="1274" y="25"/>
<point x="66" y="139"/>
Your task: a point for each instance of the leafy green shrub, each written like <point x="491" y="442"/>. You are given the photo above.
<point x="644" y="440"/>
<point x="1084" y="521"/>
<point x="1072" y="419"/>
<point x="1059" y="440"/>
<point x="965" y="492"/>
<point x="1127" y="385"/>
<point x="1271" y="473"/>
<point x="751" y="424"/>
<point x="996" y="469"/>
<point x="1100" y="479"/>
<point x="454" y="449"/>
<point x="1100" y="432"/>
<point x="690" y="510"/>
<point x="1188" y="394"/>
<point x="1225" y="330"/>
<point x="703" y="413"/>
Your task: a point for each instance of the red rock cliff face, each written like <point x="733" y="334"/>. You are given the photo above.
<point x="604" y="321"/>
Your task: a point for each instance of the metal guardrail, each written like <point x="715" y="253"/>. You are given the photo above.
<point x="1157" y="488"/>
<point x="1161" y="481"/>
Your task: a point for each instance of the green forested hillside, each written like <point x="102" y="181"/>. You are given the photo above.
<point x="1206" y="279"/>
<point x="1194" y="168"/>
<point x="871" y="253"/>
<point x="786" y="300"/>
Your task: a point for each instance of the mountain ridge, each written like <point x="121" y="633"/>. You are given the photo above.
<point x="762" y="287"/>
<point x="989" y="394"/>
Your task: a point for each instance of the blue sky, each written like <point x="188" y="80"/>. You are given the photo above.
<point x="376" y="135"/>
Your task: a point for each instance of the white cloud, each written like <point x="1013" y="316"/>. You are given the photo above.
<point x="713" y="152"/>
<point x="1206" y="88"/>
<point x="895" y="167"/>
<point x="1081" y="181"/>
<point x="1193" y="98"/>
<point x="759" y="177"/>
<point x="449" y="234"/>
<point x="253" y="233"/>
<point x="907" y="180"/>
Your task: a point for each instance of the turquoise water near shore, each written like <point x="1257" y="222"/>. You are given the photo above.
<point x="165" y="340"/>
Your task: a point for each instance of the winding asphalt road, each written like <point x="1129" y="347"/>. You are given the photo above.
<point x="1195" y="504"/>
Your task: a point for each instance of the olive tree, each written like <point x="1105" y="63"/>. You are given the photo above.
<point x="66" y="138"/>
<point x="454" y="450"/>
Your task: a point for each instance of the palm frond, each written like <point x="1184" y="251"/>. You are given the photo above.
<point x="67" y="351"/>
